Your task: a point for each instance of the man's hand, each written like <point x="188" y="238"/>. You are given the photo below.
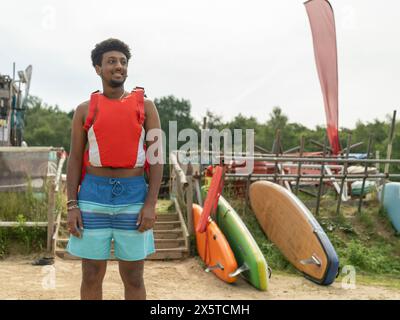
<point x="74" y="222"/>
<point x="147" y="218"/>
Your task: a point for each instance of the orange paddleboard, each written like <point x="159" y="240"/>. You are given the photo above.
<point x="214" y="249"/>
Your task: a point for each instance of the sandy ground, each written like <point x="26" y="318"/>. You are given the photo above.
<point x="165" y="280"/>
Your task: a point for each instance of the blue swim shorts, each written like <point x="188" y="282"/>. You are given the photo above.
<point x="110" y="209"/>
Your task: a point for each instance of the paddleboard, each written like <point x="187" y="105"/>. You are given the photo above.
<point x="391" y="203"/>
<point x="356" y="186"/>
<point x="214" y="249"/>
<point x="251" y="261"/>
<point x="293" y="229"/>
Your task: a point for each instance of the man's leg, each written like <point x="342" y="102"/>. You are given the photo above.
<point x="93" y="272"/>
<point x="132" y="276"/>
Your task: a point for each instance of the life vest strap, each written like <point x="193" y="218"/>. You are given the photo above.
<point x="139" y="91"/>
<point x="94" y="98"/>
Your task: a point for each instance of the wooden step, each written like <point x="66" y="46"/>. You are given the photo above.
<point x="169" y="243"/>
<point x="168" y="254"/>
<point x="160" y="215"/>
<point x="158" y="234"/>
<point x="164" y="217"/>
<point x="166" y="225"/>
<point x="173" y="216"/>
<point x="168" y="234"/>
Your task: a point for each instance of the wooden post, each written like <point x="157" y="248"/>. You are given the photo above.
<point x="189" y="199"/>
<point x="377" y="156"/>
<point x="275" y="149"/>
<point x="388" y="155"/>
<point x="183" y="223"/>
<point x="365" y="175"/>
<point x="171" y="179"/>
<point x="50" y="212"/>
<point x="59" y="171"/>
<point x="344" y="175"/>
<point x="246" y="197"/>
<point x="321" y="180"/>
<point x="196" y="180"/>
<point x="299" y="165"/>
<point x="178" y="170"/>
<point x="391" y="136"/>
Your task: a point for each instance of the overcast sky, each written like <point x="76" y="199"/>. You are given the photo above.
<point x="227" y="56"/>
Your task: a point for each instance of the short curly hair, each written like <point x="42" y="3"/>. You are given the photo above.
<point x="110" y="44"/>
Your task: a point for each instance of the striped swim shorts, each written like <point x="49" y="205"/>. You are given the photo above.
<point x="110" y="209"/>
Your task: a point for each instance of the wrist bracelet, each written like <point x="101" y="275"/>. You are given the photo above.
<point x="71" y="201"/>
<point x="75" y="206"/>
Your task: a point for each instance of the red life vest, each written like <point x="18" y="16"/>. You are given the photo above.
<point x="116" y="136"/>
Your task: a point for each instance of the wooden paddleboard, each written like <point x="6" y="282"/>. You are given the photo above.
<point x="293" y="229"/>
<point x="214" y="249"/>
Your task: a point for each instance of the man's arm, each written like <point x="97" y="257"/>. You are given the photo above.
<point x="147" y="215"/>
<point x="74" y="166"/>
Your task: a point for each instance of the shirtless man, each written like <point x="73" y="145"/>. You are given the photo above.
<point x="113" y="203"/>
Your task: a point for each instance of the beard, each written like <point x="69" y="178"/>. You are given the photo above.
<point x="112" y="82"/>
<point x="116" y="83"/>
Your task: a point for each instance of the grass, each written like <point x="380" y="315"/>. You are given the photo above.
<point x="22" y="207"/>
<point x="392" y="281"/>
<point x="165" y="206"/>
<point x="22" y="240"/>
<point x="33" y="206"/>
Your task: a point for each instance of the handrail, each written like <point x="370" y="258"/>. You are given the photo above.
<point x="183" y="223"/>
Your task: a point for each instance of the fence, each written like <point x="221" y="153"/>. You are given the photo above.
<point x="40" y="165"/>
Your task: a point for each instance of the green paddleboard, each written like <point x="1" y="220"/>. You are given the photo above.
<point x="247" y="253"/>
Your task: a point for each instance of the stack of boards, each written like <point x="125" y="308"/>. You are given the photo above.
<point x="250" y="260"/>
<point x="286" y="221"/>
<point x="293" y="229"/>
<point x="214" y="249"/>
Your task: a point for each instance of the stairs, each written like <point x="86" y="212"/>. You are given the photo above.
<point x="170" y="235"/>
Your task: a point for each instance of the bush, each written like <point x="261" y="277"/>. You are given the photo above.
<point x="377" y="259"/>
<point x="22" y="240"/>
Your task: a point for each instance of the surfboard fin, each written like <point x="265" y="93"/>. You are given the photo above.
<point x="239" y="270"/>
<point x="217" y="266"/>
<point x="312" y="260"/>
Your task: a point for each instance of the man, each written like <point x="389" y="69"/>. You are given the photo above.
<point x="112" y="205"/>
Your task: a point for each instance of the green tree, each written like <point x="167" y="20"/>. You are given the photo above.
<point x="171" y="108"/>
<point x="46" y="125"/>
<point x="277" y="119"/>
<point x="214" y="121"/>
